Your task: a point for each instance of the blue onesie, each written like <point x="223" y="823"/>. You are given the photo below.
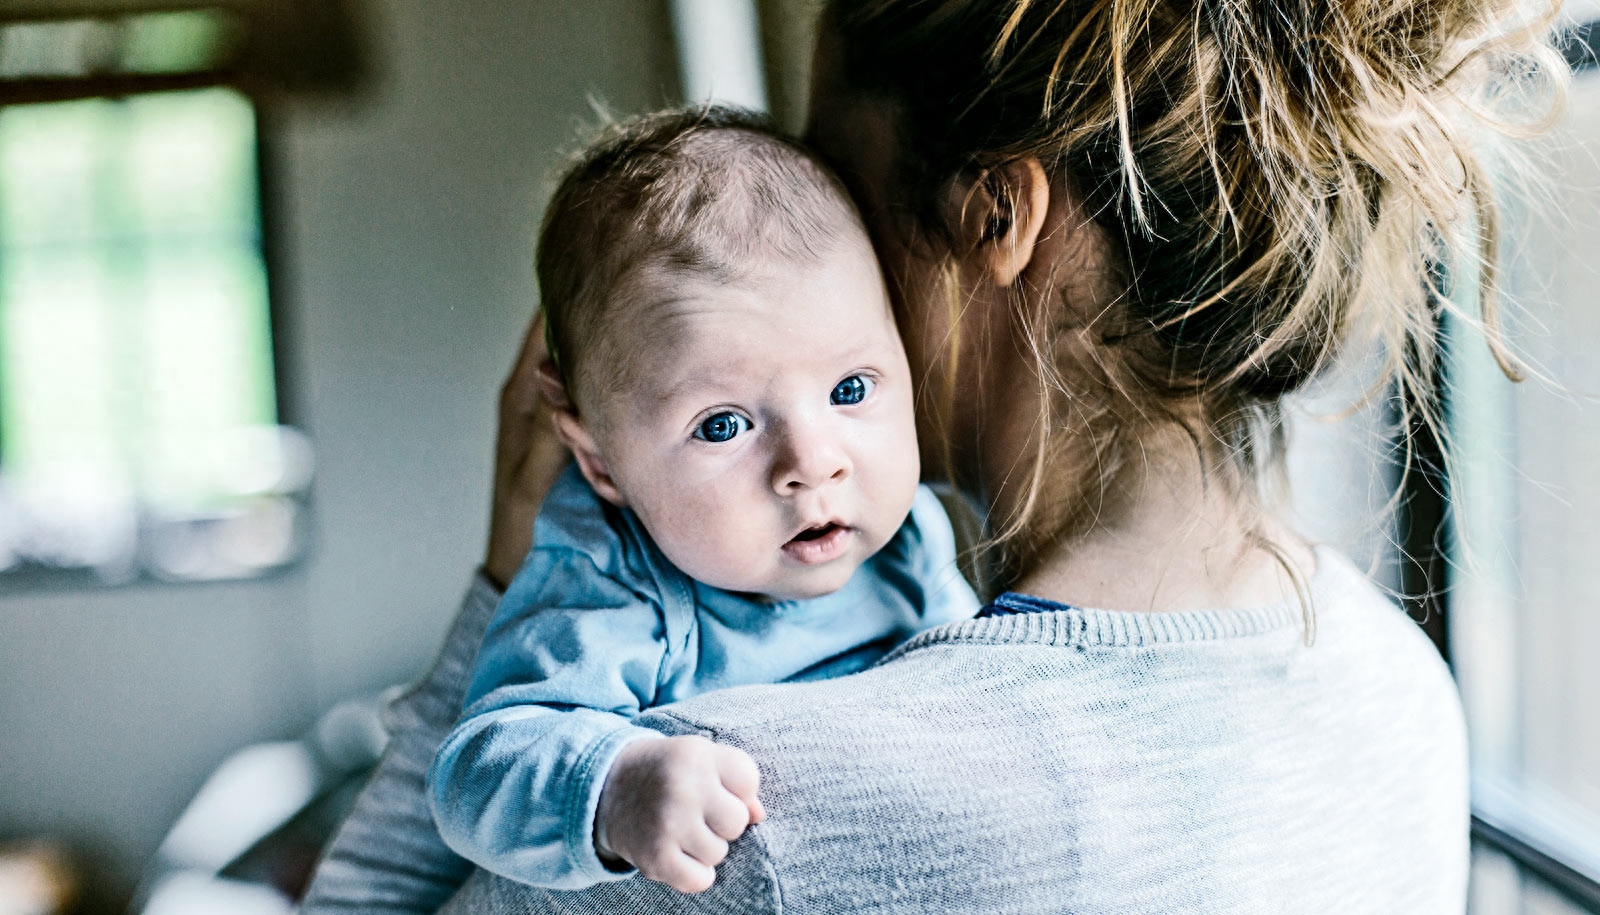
<point x="598" y="626"/>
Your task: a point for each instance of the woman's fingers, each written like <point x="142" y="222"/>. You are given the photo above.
<point x="520" y="397"/>
<point x="528" y="458"/>
<point x="521" y="390"/>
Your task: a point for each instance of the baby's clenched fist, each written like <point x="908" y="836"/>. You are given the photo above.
<point x="670" y="807"/>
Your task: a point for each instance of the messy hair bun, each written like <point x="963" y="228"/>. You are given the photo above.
<point x="1273" y="175"/>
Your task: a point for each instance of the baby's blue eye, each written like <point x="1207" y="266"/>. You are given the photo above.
<point x="852" y="390"/>
<point x="721" y="427"/>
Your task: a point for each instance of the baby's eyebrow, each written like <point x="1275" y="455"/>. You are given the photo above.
<point x="862" y="351"/>
<point x="682" y="388"/>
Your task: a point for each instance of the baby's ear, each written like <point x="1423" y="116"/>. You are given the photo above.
<point x="572" y="433"/>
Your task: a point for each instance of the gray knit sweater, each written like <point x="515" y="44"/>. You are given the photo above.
<point x="1083" y="761"/>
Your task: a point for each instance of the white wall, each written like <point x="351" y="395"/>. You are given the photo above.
<point x="407" y="221"/>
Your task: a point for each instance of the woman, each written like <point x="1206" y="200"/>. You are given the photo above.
<point x="1118" y="233"/>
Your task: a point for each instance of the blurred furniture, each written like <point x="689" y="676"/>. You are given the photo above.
<point x="37" y="878"/>
<point x="247" y="843"/>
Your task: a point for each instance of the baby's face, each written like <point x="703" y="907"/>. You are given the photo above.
<point x="766" y="436"/>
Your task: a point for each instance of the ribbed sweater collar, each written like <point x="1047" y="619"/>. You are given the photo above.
<point x="1024" y="619"/>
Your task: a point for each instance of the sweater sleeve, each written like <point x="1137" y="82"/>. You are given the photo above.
<point x="387" y="858"/>
<point x="570" y="658"/>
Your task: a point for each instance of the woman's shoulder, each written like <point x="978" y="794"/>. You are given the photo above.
<point x="1354" y="615"/>
<point x="1359" y="631"/>
<point x="1102" y="757"/>
<point x="744" y="885"/>
<point x="1390" y="669"/>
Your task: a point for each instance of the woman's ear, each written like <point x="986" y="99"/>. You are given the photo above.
<point x="573" y="434"/>
<point x="1002" y="215"/>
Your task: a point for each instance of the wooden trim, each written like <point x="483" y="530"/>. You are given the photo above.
<point x="285" y="44"/>
<point x="50" y="10"/>
<point x="26" y="91"/>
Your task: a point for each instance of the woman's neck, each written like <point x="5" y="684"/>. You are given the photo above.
<point x="1161" y="537"/>
<point x="1149" y="532"/>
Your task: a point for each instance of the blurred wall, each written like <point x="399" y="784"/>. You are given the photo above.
<point x="406" y="216"/>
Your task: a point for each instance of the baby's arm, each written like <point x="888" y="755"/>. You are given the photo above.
<point x="570" y="658"/>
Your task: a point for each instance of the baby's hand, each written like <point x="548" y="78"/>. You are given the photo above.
<point x="670" y="807"/>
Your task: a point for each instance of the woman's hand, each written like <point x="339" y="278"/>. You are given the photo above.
<point x="528" y="458"/>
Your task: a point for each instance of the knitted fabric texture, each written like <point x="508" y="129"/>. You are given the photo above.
<point x="1084" y="761"/>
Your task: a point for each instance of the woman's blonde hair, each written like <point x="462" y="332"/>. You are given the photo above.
<point x="1272" y="176"/>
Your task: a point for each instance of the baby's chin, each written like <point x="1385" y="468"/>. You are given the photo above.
<point x="786" y="594"/>
<point x="789" y="585"/>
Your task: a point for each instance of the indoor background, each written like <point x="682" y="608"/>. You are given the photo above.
<point x="263" y="266"/>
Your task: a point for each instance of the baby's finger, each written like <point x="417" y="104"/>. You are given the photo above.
<point x="706" y="847"/>
<point x="738" y="773"/>
<point x="684" y="874"/>
<point x="726" y="815"/>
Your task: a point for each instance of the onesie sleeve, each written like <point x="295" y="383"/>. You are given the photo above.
<point x="571" y="656"/>
<point x="947" y="597"/>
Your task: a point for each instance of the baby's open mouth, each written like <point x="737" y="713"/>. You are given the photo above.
<point x="821" y="543"/>
<point x="816" y="533"/>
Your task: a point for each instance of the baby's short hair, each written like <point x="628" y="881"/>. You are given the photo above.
<point x="707" y="190"/>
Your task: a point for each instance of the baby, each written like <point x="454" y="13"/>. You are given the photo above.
<point x="744" y="506"/>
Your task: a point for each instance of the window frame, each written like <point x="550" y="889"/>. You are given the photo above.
<point x="287" y="47"/>
<point x="35" y="578"/>
<point x="1501" y="822"/>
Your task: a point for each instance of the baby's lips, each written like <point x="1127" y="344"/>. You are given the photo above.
<point x="831" y="545"/>
<point x="814" y="526"/>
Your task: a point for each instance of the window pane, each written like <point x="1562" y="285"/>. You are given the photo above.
<point x="1525" y="587"/>
<point x="136" y="376"/>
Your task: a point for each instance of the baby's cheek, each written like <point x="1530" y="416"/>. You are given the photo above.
<point x="741" y="541"/>
<point x="897" y="466"/>
<point x="719" y="544"/>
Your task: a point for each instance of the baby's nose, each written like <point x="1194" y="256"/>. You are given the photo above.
<point x="807" y="461"/>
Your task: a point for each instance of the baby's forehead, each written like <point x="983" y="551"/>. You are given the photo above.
<point x="661" y="314"/>
<point x="672" y="328"/>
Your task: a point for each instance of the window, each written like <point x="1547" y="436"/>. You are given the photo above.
<point x="1524" y="599"/>
<point x="139" y="411"/>
<point x="138" y="404"/>
<point x="137" y="400"/>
